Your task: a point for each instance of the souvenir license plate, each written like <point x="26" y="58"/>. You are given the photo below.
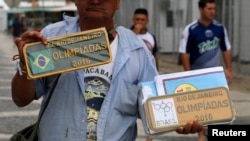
<point x="168" y="112"/>
<point x="67" y="53"/>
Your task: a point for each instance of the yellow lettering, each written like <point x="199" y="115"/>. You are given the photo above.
<point x="55" y="55"/>
<point x="86" y="50"/>
<point x="58" y="43"/>
<point x="68" y="53"/>
<point x="91" y="48"/>
<point x="77" y="51"/>
<point x="104" y="45"/>
<point x="61" y="56"/>
<point x="98" y="47"/>
<point x="49" y="45"/>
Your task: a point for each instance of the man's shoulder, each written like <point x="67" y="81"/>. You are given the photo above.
<point x="148" y="35"/>
<point x="54" y="29"/>
<point x="60" y="27"/>
<point x="55" y="25"/>
<point x="129" y="38"/>
<point x="152" y="34"/>
<point x="192" y="25"/>
<point x="67" y="21"/>
<point x="123" y="31"/>
<point x="217" y="23"/>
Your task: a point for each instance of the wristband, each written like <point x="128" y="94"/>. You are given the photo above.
<point x="20" y="67"/>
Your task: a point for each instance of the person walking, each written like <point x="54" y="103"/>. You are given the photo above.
<point x="204" y="40"/>
<point x="140" y="20"/>
<point x="139" y="27"/>
<point x="76" y="114"/>
<point x="23" y="25"/>
<point x="16" y="27"/>
<point x="202" y="43"/>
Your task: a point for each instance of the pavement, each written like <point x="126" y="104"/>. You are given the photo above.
<point x="13" y="118"/>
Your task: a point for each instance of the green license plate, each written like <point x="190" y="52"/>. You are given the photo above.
<point x="67" y="53"/>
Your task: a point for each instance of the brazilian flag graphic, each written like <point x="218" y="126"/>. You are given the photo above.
<point x="41" y="62"/>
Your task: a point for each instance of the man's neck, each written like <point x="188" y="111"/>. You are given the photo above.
<point x="87" y="25"/>
<point x="143" y="31"/>
<point x="110" y="27"/>
<point x="205" y="22"/>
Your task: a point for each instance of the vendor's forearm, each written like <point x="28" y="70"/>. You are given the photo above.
<point x="23" y="90"/>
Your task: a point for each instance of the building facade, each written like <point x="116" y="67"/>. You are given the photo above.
<point x="169" y="17"/>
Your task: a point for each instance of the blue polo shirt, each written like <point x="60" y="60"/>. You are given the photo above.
<point x="204" y="44"/>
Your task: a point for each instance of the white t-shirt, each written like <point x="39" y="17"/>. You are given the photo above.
<point x="97" y="82"/>
<point x="148" y="39"/>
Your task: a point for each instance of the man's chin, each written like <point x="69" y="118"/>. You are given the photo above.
<point x="96" y="19"/>
<point x="95" y="15"/>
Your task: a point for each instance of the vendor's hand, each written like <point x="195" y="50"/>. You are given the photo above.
<point x="190" y="128"/>
<point x="28" y="37"/>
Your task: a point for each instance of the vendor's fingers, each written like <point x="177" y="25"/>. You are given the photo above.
<point x="18" y="41"/>
<point x="33" y="36"/>
<point x="192" y="127"/>
<point x="19" y="44"/>
<point x="196" y="127"/>
<point x="28" y="37"/>
<point x="202" y="128"/>
<point x="179" y="130"/>
<point x="187" y="128"/>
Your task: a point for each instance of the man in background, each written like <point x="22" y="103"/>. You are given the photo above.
<point x="203" y="41"/>
<point x="140" y="21"/>
<point x="16" y="27"/>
